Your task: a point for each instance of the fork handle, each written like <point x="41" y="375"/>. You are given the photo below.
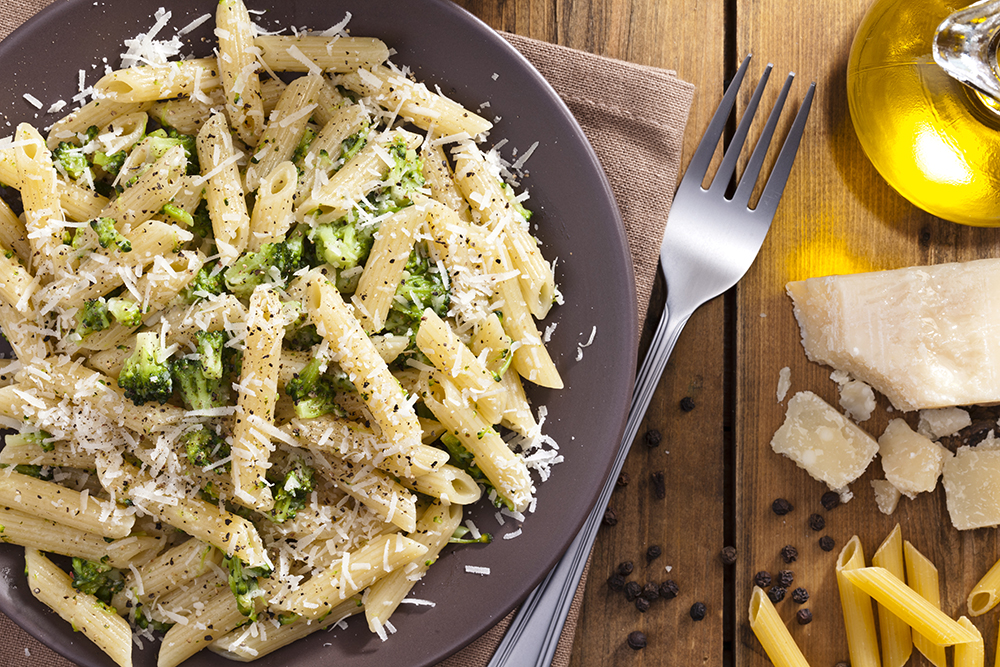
<point x="534" y="634"/>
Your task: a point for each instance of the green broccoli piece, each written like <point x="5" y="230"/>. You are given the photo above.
<point x="458" y="537"/>
<point x="97" y="579"/>
<point x="206" y="281"/>
<point x="43" y="439"/>
<point x="160" y="141"/>
<point x="202" y="225"/>
<point x="38" y="472"/>
<point x="274" y="262"/>
<point x="203" y="448"/>
<point x="341" y="244"/>
<point x="198" y="392"/>
<point x="315" y="392"/>
<point x="71" y="159"/>
<point x="146" y="374"/>
<point x="111" y="164"/>
<point x="143" y="622"/>
<point x="177" y="213"/>
<point x="243" y="582"/>
<point x="92" y="316"/>
<point x="303" y="338"/>
<point x="292" y="492"/>
<point x="107" y="235"/>
<point x="125" y="311"/>
<point x="209" y="346"/>
<point x="420" y="288"/>
<point x="514" y="203"/>
<point x="405" y="176"/>
<point x="304" y="143"/>
<point x="350" y="146"/>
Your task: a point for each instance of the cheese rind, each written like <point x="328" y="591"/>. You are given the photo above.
<point x="972" y="486"/>
<point x="823" y="442"/>
<point x="911" y="462"/>
<point x="926" y="337"/>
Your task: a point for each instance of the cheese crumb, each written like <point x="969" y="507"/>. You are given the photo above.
<point x="784" y="383"/>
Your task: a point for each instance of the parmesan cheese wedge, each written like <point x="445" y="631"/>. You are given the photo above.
<point x="911" y="462"/>
<point x="926" y="337"/>
<point x="822" y="441"/>
<point x="972" y="485"/>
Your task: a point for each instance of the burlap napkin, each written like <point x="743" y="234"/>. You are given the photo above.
<point x="634" y="116"/>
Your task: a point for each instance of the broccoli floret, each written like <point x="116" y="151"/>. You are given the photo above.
<point x="304" y="143"/>
<point x="38" y="472"/>
<point x="71" y="159"/>
<point x="460" y="457"/>
<point x="143" y="622"/>
<point x="146" y="374"/>
<point x="107" y="235"/>
<point x="272" y="263"/>
<point x="405" y="176"/>
<point x="43" y="439"/>
<point x="203" y="448"/>
<point x="420" y="288"/>
<point x="243" y="583"/>
<point x="292" y="492"/>
<point x="341" y="244"/>
<point x="202" y="225"/>
<point x="206" y="281"/>
<point x="111" y="164"/>
<point x="303" y="338"/>
<point x="458" y="537"/>
<point x="92" y="316"/>
<point x="160" y="141"/>
<point x="197" y="391"/>
<point x="350" y="146"/>
<point x="514" y="203"/>
<point x="177" y="213"/>
<point x="125" y="311"/>
<point x="97" y="579"/>
<point x="314" y="391"/>
<point x="209" y="346"/>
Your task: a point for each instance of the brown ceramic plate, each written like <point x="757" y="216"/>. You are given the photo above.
<point x="577" y="221"/>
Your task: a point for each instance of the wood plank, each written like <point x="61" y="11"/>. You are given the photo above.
<point x="688" y="523"/>
<point x="838" y="215"/>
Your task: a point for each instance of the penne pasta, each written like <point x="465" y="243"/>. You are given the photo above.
<point x="159" y="82"/>
<point x="983" y="596"/>
<point x="238" y="69"/>
<point x="922" y="576"/>
<point x="224" y="189"/>
<point x="772" y="633"/>
<point x="315" y="54"/>
<point x="897" y="644"/>
<point x="859" y="620"/>
<point x="971" y="654"/>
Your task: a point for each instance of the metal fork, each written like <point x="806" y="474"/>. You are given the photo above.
<point x="709" y="244"/>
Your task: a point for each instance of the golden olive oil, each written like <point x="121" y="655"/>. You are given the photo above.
<point x="932" y="138"/>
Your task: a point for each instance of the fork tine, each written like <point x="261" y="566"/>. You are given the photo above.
<point x="749" y="177"/>
<point x="771" y="195"/>
<point x="732" y="154"/>
<point x="703" y="155"/>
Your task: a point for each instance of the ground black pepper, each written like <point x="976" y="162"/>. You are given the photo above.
<point x="800" y="595"/>
<point x="776" y="594"/>
<point x="625" y="568"/>
<point x="826" y="543"/>
<point x="632" y="590"/>
<point x="804" y="616"/>
<point x="616" y="582"/>
<point x="789" y="554"/>
<point x="642" y="604"/>
<point x="762" y="579"/>
<point x="687" y="404"/>
<point x="651" y="591"/>
<point x="728" y="555"/>
<point x="781" y="507"/>
<point x="830" y="500"/>
<point x="623" y="479"/>
<point x="610" y="517"/>
<point x="669" y="590"/>
<point x="636" y="641"/>
<point x="652" y="438"/>
<point x="652" y="553"/>
<point x="659" y="484"/>
<point x="817" y="522"/>
<point x="785" y="578"/>
<point x="698" y="611"/>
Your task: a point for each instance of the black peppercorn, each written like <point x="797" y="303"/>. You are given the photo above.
<point x="632" y="590"/>
<point x="652" y="553"/>
<point x="642" y="604"/>
<point x="842" y="664"/>
<point x="698" y="611"/>
<point x="669" y="590"/>
<point x="781" y="507"/>
<point x="800" y="595"/>
<point x="659" y="484"/>
<point x="816" y="522"/>
<point x="728" y="555"/>
<point x="636" y="641"/>
<point x="789" y="554"/>
<point x="830" y="500"/>
<point x="687" y="404"/>
<point x="623" y="479"/>
<point x="826" y="543"/>
<point x="785" y="578"/>
<point x="776" y="594"/>
<point x="762" y="579"/>
<point x="616" y="582"/>
<point x="610" y="517"/>
<point x="652" y="438"/>
<point x="651" y="591"/>
<point x="625" y="568"/>
<point x="804" y="616"/>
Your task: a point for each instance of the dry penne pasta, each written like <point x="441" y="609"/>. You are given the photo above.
<point x="984" y="595"/>
<point x="922" y="577"/>
<point x="970" y="654"/>
<point x="772" y="633"/>
<point x="859" y="620"/>
<point x="897" y="644"/>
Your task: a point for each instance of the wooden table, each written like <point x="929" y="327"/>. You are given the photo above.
<point x="720" y="471"/>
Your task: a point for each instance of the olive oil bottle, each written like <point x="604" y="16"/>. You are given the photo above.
<point x="931" y="137"/>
